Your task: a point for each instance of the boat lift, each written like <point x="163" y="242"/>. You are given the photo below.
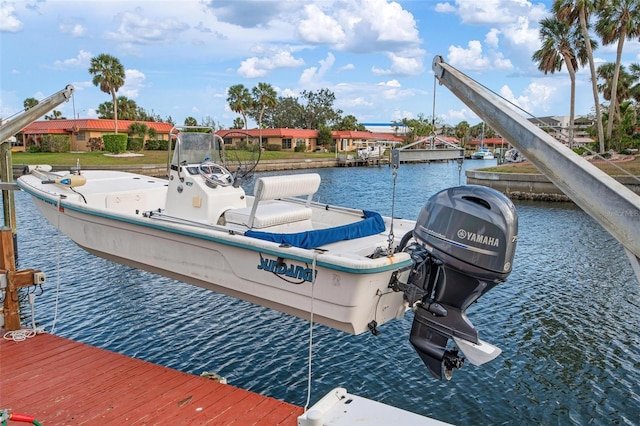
<point x="10" y="279"/>
<point x="610" y="203"/>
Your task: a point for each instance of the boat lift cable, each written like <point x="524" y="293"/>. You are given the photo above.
<point x="393" y="206"/>
<point x="310" y="359"/>
<point x="58" y="251"/>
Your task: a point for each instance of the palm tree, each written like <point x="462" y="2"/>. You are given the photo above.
<point x="190" y="121"/>
<point x="30" y="103"/>
<point x="238" y="123"/>
<point x="461" y="131"/>
<point x="240" y="101"/>
<point x="108" y="74"/>
<point x="55" y="115"/>
<point x="623" y="89"/>
<point x="263" y="97"/>
<point x="561" y="45"/>
<point x="618" y="20"/>
<point x="579" y="10"/>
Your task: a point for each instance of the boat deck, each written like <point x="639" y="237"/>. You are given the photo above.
<point x="59" y="381"/>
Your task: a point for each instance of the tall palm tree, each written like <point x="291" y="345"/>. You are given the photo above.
<point x="239" y="100"/>
<point x="618" y="20"/>
<point x="108" y="74"/>
<point x="623" y="89"/>
<point x="578" y="11"/>
<point x="562" y="44"/>
<point x="263" y="96"/>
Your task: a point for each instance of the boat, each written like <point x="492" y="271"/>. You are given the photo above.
<point x="482" y="155"/>
<point x="371" y="150"/>
<point x="348" y="269"/>
<point x="513" y="156"/>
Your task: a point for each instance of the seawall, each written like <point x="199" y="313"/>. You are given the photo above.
<point x="529" y="186"/>
<point x="160" y="170"/>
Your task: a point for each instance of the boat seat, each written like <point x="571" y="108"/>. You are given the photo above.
<point x="266" y="212"/>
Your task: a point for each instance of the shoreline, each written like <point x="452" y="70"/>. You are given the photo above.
<point x="531" y="186"/>
<point x="517" y="186"/>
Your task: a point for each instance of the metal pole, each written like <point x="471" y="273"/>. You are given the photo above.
<point x="613" y="205"/>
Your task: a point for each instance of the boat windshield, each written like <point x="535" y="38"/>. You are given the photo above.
<point x="195" y="147"/>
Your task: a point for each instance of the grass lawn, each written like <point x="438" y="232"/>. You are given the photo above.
<point x="99" y="158"/>
<point x="160" y="157"/>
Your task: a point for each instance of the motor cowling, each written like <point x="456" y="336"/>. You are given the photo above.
<point x="466" y="237"/>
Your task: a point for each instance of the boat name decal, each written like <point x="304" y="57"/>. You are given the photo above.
<point x="277" y="266"/>
<point x="478" y="238"/>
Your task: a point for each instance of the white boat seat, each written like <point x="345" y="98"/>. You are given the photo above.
<point x="265" y="212"/>
<point x="271" y="213"/>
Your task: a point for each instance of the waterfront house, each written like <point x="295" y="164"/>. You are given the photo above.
<point x="83" y="130"/>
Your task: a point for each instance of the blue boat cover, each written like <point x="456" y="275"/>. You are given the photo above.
<point x="371" y="225"/>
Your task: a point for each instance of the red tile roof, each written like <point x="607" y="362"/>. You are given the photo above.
<point x="66" y="126"/>
<point x="91" y="124"/>
<point x="273" y="133"/>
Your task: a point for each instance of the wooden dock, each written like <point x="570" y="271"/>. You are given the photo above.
<point x="62" y="382"/>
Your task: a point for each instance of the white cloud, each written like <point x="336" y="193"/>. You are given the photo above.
<point x="445" y="8"/>
<point x="513" y="24"/>
<point x="82" y="60"/>
<point x="470" y="59"/>
<point x="75" y="30"/>
<point x="390" y="83"/>
<point x="259" y="67"/>
<point x="401" y="65"/>
<point x="319" y="28"/>
<point x="492" y="39"/>
<point x="8" y="21"/>
<point x="356" y="102"/>
<point x="347" y="67"/>
<point x="473" y="59"/>
<point x="520" y="33"/>
<point x="536" y="98"/>
<point x="134" y="81"/>
<point x="360" y="26"/>
<point x="313" y="75"/>
<point x="498" y="11"/>
<point x="138" y="27"/>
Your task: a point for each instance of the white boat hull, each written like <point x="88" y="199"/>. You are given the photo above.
<point x="349" y="292"/>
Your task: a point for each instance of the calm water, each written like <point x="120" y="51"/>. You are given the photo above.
<point x="567" y="319"/>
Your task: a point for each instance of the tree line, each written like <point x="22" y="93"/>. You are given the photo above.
<point x="567" y="41"/>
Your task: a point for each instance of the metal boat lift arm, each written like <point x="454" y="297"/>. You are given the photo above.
<point x="613" y="205"/>
<point x="12" y="127"/>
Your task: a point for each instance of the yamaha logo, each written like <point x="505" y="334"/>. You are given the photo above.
<point x="478" y="238"/>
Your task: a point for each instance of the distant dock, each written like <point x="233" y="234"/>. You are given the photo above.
<point x="351" y="161"/>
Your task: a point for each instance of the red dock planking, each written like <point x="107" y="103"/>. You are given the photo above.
<point x="62" y="382"/>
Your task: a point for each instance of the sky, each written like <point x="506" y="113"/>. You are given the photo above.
<point x="181" y="56"/>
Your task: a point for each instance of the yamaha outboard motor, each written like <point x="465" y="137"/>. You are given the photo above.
<point x="465" y="240"/>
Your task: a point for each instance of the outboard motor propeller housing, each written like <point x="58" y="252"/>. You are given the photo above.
<point x="465" y="240"/>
